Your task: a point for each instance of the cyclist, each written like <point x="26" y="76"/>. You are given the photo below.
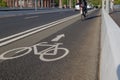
<point x="83" y="7"/>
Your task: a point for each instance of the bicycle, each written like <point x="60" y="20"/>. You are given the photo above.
<point x="22" y="51"/>
<point x="83" y="12"/>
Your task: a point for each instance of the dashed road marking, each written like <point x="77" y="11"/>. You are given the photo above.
<point x="30" y="17"/>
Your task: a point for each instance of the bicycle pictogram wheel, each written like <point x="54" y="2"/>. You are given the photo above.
<point x="15" y="53"/>
<point x="63" y="50"/>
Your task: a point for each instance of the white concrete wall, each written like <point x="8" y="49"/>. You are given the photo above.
<point x="110" y="49"/>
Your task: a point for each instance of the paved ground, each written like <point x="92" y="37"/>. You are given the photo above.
<point x="13" y="25"/>
<point x="116" y="16"/>
<point x="82" y="39"/>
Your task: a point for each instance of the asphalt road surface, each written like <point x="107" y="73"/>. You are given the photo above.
<point x="15" y="24"/>
<point x="116" y="16"/>
<point x="77" y="58"/>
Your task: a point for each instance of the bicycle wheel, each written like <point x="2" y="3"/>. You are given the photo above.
<point x="42" y="56"/>
<point x="15" y="53"/>
<point x="82" y="17"/>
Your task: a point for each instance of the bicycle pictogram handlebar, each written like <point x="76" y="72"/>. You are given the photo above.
<point x="22" y="51"/>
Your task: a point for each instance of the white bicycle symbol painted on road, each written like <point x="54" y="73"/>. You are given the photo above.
<point x="51" y="50"/>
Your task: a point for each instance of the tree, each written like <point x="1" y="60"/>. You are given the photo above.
<point x="95" y="2"/>
<point x="56" y="2"/>
<point x="3" y="3"/>
<point x="74" y="2"/>
<point x="116" y="1"/>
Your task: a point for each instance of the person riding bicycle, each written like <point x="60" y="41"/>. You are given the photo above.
<point x="83" y="5"/>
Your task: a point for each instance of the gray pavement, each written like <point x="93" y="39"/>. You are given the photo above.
<point x="13" y="25"/>
<point x="116" y="15"/>
<point x="82" y="39"/>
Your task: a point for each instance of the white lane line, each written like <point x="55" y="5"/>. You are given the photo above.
<point x="58" y="37"/>
<point x="30" y="17"/>
<point x="30" y="30"/>
<point x="24" y="32"/>
<point x="8" y="40"/>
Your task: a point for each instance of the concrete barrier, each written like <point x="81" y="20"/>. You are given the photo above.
<point x="110" y="49"/>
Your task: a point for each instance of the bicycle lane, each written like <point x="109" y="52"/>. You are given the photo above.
<point x="81" y="39"/>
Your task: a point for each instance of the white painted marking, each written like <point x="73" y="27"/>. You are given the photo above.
<point x="58" y="37"/>
<point x="25" y="32"/>
<point x="18" y="36"/>
<point x="30" y="17"/>
<point x="54" y="59"/>
<point x="46" y="52"/>
<point x="16" y="51"/>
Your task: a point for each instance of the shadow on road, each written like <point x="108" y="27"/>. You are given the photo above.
<point x="92" y="17"/>
<point x="115" y="11"/>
